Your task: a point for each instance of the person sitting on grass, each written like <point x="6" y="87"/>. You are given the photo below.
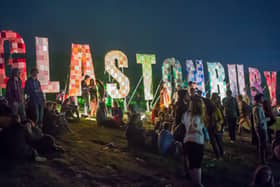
<point x="166" y="141"/>
<point x="13" y="141"/>
<point x="135" y="134"/>
<point x="54" y="123"/>
<point x="263" y="177"/>
<point x="117" y="113"/>
<point x="159" y="123"/>
<point x="168" y="119"/>
<point x="49" y="121"/>
<point x="70" y="109"/>
<point x="134" y="117"/>
<point x="169" y="113"/>
<point x="102" y="118"/>
<point x="38" y="140"/>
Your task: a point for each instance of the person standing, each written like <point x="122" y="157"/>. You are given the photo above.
<point x="216" y="126"/>
<point x="35" y="96"/>
<point x="260" y="126"/>
<point x="175" y="95"/>
<point x="245" y="97"/>
<point x="93" y="97"/>
<point x="14" y="94"/>
<point x="244" y="114"/>
<point x="270" y="118"/>
<point x="164" y="98"/>
<point x="194" y="139"/>
<point x="231" y="114"/>
<point x="85" y="93"/>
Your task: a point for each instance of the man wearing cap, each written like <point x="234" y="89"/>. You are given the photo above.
<point x="14" y="94"/>
<point x="35" y="95"/>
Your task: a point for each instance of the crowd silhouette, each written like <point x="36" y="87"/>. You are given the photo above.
<point x="182" y="123"/>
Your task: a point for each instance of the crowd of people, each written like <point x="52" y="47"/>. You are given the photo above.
<point x="187" y="120"/>
<point x="28" y="124"/>
<point x="182" y="123"/>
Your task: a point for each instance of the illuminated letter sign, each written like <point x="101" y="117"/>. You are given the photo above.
<point x="271" y="78"/>
<point x="81" y="63"/>
<point x="217" y="78"/>
<point x="147" y="61"/>
<point x="42" y="63"/>
<point x="171" y="71"/>
<point x="17" y="46"/>
<point x="232" y="79"/>
<point x="255" y="81"/>
<point x="241" y="79"/>
<point x="110" y="67"/>
<point x="196" y="74"/>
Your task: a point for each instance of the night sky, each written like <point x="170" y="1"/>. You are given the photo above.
<point x="229" y="31"/>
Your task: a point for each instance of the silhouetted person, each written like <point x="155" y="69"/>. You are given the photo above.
<point x="260" y="126"/>
<point x="14" y="94"/>
<point x="35" y="96"/>
<point x="230" y="113"/>
<point x="85" y="93"/>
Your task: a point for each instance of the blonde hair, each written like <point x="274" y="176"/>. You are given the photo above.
<point x="197" y="107"/>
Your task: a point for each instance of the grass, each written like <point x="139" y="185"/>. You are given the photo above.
<point x="276" y="126"/>
<point x="88" y="161"/>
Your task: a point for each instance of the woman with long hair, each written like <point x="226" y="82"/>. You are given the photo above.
<point x="164" y="98"/>
<point x="93" y="97"/>
<point x="194" y="138"/>
<point x="216" y="126"/>
<point x="263" y="177"/>
<point x="244" y="114"/>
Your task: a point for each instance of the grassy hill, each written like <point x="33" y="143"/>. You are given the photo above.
<point x="97" y="156"/>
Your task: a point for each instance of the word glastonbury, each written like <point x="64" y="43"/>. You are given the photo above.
<point x="82" y="64"/>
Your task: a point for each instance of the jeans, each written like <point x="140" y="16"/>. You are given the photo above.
<point x="216" y="142"/>
<point x="39" y="113"/>
<point x="231" y="122"/>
